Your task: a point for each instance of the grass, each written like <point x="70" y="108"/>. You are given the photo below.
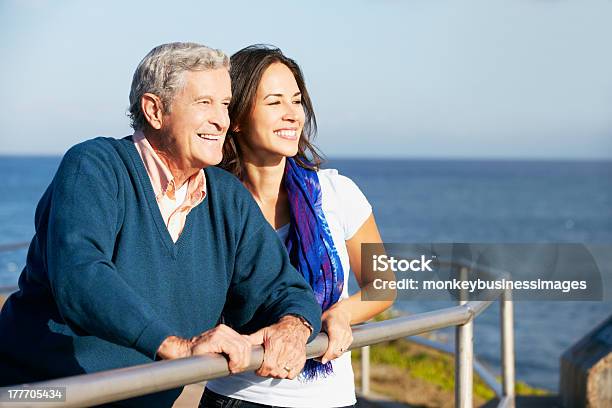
<point x="432" y="366"/>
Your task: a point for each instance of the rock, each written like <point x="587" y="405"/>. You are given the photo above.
<point x="586" y="370"/>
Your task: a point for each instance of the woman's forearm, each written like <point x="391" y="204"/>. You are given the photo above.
<point x="357" y="310"/>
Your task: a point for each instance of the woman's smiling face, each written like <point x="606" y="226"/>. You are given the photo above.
<point x="277" y="119"/>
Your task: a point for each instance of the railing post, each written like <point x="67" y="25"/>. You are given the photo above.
<point x="365" y="370"/>
<point x="506" y="309"/>
<point x="464" y="357"/>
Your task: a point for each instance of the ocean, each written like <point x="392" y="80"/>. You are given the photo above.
<point x="484" y="201"/>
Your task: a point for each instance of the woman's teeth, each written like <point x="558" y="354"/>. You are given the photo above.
<point x="288" y="134"/>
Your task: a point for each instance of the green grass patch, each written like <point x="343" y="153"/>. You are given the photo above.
<point x="432" y="366"/>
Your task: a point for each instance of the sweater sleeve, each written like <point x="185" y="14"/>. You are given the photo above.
<point x="82" y="226"/>
<point x="265" y="287"/>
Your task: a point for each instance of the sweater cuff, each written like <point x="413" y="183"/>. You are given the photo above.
<point x="152" y="337"/>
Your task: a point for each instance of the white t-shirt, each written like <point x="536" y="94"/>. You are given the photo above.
<point x="346" y="209"/>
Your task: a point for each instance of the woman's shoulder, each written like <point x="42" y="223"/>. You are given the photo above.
<point x="331" y="179"/>
<point x="342" y="196"/>
<point x="332" y="176"/>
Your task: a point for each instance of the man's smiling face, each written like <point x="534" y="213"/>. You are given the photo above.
<point x="194" y="128"/>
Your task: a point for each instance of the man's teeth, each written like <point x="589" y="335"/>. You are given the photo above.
<point x="209" y="137"/>
<point x="285" y="133"/>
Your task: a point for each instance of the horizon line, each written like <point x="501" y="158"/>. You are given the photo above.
<point x="393" y="158"/>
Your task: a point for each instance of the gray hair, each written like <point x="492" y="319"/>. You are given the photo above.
<point x="161" y="72"/>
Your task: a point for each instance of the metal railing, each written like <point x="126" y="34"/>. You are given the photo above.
<point x="504" y="391"/>
<point x="118" y="384"/>
<point x="13" y="246"/>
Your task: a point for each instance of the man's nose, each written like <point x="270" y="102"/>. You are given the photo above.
<point x="220" y="118"/>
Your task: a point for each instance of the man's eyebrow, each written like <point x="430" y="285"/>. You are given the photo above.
<point x="281" y="95"/>
<point x="202" y="97"/>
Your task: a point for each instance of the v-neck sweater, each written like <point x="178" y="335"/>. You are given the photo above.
<point x="105" y="284"/>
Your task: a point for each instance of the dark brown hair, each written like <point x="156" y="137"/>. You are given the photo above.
<point x="247" y="66"/>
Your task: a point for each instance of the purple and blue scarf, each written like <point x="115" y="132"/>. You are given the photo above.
<point x="311" y="247"/>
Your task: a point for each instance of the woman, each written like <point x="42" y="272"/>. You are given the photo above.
<point x="322" y="217"/>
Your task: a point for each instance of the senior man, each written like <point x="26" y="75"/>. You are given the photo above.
<point x="141" y="249"/>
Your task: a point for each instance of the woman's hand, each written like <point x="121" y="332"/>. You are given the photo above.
<point x="336" y="322"/>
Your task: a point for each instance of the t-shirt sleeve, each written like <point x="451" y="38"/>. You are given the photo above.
<point x="354" y="208"/>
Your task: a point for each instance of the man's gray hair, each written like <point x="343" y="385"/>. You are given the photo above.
<point x="161" y="72"/>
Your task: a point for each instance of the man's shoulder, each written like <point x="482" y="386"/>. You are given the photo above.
<point x="224" y="181"/>
<point x="105" y="146"/>
<point x="97" y="152"/>
<point x="231" y="195"/>
<point x="100" y="161"/>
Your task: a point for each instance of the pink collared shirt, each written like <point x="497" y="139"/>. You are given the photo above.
<point x="173" y="211"/>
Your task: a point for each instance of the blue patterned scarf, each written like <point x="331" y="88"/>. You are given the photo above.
<point x="311" y="247"/>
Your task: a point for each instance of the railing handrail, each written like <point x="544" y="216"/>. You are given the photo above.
<point x="118" y="384"/>
<point x="13" y="246"/>
<point x="7" y="290"/>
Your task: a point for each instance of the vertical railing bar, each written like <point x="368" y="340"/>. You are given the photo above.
<point x="506" y="308"/>
<point x="464" y="355"/>
<point x="365" y="371"/>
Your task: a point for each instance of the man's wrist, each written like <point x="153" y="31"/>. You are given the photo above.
<point x="174" y="347"/>
<point x="302" y="320"/>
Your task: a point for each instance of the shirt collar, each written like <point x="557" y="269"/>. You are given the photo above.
<point x="160" y="175"/>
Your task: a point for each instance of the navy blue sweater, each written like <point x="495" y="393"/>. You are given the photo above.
<point x="104" y="283"/>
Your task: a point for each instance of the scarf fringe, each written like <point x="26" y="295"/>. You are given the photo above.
<point x="313" y="370"/>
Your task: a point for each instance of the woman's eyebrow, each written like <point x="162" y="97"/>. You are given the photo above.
<point x="277" y="95"/>
<point x="281" y="95"/>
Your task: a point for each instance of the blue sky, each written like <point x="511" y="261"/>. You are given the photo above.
<point x="482" y="79"/>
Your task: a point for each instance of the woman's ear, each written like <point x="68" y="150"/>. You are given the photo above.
<point x="152" y="108"/>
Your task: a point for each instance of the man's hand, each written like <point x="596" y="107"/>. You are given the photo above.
<point x="221" y="339"/>
<point x="284" y="346"/>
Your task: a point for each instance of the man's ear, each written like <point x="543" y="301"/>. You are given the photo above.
<point x="152" y="108"/>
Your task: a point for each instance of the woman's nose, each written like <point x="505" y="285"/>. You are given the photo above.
<point x="291" y="113"/>
<point x="290" y="116"/>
